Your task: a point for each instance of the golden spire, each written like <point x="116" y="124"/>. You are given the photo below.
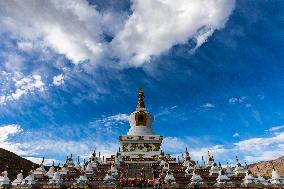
<point x="140" y="103"/>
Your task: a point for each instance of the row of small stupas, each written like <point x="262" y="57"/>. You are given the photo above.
<point x="141" y="163"/>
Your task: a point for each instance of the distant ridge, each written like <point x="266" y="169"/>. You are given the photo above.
<point x="265" y="167"/>
<point x="14" y="162"/>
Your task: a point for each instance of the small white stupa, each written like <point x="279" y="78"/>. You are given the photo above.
<point x="260" y="180"/>
<point x="189" y="170"/>
<point x="275" y="178"/>
<point x="19" y="180"/>
<point x="203" y="163"/>
<point x="222" y="180"/>
<point x="109" y="179"/>
<point x="69" y="162"/>
<point x="214" y="170"/>
<point x="113" y="171"/>
<point x="30" y="179"/>
<point x="82" y="180"/>
<point x="239" y="169"/>
<point x="56" y="179"/>
<point x="249" y="180"/>
<point x="210" y="160"/>
<point x="229" y="170"/>
<point x="40" y="171"/>
<point x="118" y="160"/>
<point x="196" y="180"/>
<point x="4" y="179"/>
<point x="170" y="179"/>
<point x="89" y="169"/>
<point x="50" y="172"/>
<point x="63" y="170"/>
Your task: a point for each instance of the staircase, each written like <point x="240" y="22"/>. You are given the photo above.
<point x="134" y="170"/>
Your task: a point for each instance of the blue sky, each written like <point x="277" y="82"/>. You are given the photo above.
<point x="212" y="72"/>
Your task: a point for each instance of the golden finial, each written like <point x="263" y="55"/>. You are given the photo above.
<point x="140" y="103"/>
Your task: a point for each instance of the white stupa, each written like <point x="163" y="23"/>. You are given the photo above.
<point x="189" y="170"/>
<point x="196" y="180"/>
<point x="82" y="180"/>
<point x="229" y="170"/>
<point x="50" y="172"/>
<point x="203" y="163"/>
<point x="69" y="162"/>
<point x="78" y="165"/>
<point x="260" y="180"/>
<point x="4" y="179"/>
<point x="170" y="179"/>
<point x="56" y="179"/>
<point x="275" y="178"/>
<point x="210" y="160"/>
<point x="249" y="180"/>
<point x="40" y="171"/>
<point x="109" y="180"/>
<point x="140" y="142"/>
<point x="63" y="170"/>
<point x="187" y="159"/>
<point x="89" y="169"/>
<point x="222" y="180"/>
<point x="19" y="180"/>
<point x="30" y="179"/>
<point x="214" y="170"/>
<point x="239" y="169"/>
<point x="113" y="171"/>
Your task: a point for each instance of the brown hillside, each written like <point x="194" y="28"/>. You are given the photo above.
<point x="13" y="164"/>
<point x="265" y="167"/>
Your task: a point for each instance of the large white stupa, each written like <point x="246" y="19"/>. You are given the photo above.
<point x="140" y="141"/>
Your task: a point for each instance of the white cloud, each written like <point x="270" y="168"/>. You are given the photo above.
<point x="69" y="28"/>
<point x="58" y="80"/>
<point x="32" y="145"/>
<point x="207" y="106"/>
<point x="251" y="150"/>
<point x="112" y="120"/>
<point x="236" y="135"/>
<point x="23" y="85"/>
<point x="6" y="132"/>
<point x="238" y="100"/>
<point x="75" y="28"/>
<point x="272" y="129"/>
<point x="156" y="25"/>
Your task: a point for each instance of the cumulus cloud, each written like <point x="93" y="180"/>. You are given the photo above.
<point x="68" y="28"/>
<point x="207" y="106"/>
<point x="75" y="29"/>
<point x="236" y="135"/>
<point x="58" y="80"/>
<point x="151" y="31"/>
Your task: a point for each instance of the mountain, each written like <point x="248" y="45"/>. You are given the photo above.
<point x="265" y="167"/>
<point x="13" y="164"/>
